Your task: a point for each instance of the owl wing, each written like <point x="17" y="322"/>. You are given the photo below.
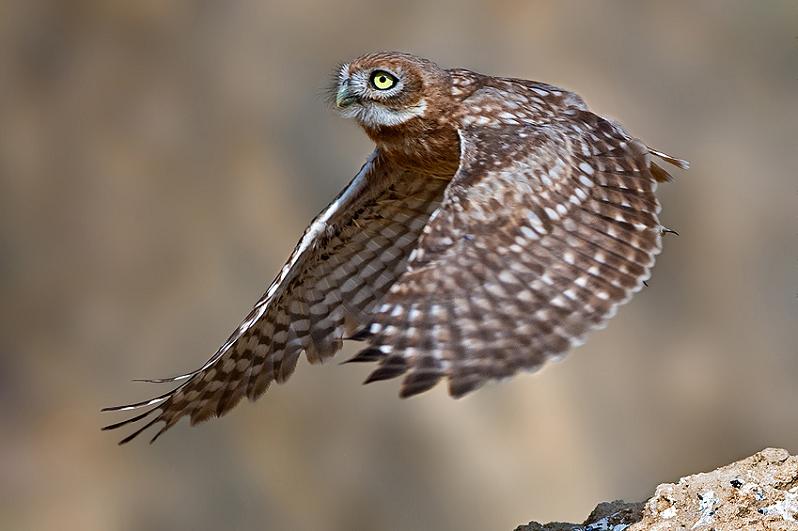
<point x="542" y="233"/>
<point x="345" y="261"/>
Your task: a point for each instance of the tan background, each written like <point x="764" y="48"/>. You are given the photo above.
<point x="158" y="161"/>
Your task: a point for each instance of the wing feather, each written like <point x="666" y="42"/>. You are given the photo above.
<point x="543" y="232"/>
<point x="347" y="259"/>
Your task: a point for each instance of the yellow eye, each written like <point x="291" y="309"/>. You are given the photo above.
<point x="382" y="80"/>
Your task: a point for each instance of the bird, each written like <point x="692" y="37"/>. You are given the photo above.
<point x="496" y="222"/>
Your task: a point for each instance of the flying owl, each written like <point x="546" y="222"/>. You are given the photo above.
<point x="496" y="222"/>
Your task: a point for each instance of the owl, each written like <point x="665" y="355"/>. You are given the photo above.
<point x="496" y="223"/>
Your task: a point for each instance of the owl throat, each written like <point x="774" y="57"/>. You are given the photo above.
<point x="429" y="148"/>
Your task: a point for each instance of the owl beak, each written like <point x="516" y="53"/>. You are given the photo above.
<point x="344" y="98"/>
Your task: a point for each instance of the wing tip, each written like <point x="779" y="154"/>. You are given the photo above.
<point x="170" y="379"/>
<point x="390" y="367"/>
<point x="679" y="163"/>
<point x="366" y="355"/>
<point x="142" y="429"/>
<point x="158" y="403"/>
<point x="131" y="420"/>
<point x="125" y="422"/>
<point x="418" y="382"/>
<point x="137" y="405"/>
<point x="361" y="334"/>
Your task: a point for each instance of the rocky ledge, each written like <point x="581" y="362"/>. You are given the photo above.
<point x="757" y="493"/>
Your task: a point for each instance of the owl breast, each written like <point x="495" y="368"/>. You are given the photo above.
<point x="430" y="146"/>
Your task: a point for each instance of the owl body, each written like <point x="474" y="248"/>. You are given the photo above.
<point x="497" y="221"/>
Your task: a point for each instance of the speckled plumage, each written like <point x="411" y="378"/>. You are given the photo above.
<point x="497" y="221"/>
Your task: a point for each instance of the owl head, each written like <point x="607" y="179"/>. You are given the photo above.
<point x="388" y="89"/>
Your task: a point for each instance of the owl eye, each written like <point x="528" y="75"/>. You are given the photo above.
<point x="382" y="80"/>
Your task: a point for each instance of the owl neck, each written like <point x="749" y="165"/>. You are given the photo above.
<point x="432" y="148"/>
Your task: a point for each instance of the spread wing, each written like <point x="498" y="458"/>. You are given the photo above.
<point x="542" y="233"/>
<point x="346" y="260"/>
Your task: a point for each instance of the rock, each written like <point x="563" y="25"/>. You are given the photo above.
<point x="757" y="493"/>
<point x="612" y="516"/>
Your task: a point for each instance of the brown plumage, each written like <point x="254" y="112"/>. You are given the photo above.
<point x="496" y="222"/>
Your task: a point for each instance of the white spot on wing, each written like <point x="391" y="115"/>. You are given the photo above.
<point x="587" y="168"/>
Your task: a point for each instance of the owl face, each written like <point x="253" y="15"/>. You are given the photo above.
<point x="382" y="90"/>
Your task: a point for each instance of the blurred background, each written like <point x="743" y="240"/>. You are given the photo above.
<point x="158" y="161"/>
